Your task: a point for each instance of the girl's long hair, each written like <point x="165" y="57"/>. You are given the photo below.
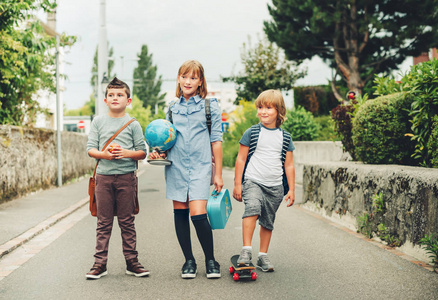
<point x="195" y="67"/>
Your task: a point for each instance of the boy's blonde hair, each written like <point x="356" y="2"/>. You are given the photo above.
<point x="195" y="67"/>
<point x="273" y="98"/>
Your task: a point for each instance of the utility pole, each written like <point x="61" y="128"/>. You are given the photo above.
<point x="102" y="61"/>
<point x="58" y="118"/>
<point x="51" y="23"/>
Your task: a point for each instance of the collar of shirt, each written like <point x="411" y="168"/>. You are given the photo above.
<point x="196" y="98"/>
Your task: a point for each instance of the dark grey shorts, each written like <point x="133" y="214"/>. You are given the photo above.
<point x="262" y="201"/>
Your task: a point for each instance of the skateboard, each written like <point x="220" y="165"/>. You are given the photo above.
<point x="245" y="272"/>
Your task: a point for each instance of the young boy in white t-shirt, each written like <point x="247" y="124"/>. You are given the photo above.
<point x="262" y="168"/>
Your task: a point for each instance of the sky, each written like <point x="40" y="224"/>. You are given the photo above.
<point x="210" y="31"/>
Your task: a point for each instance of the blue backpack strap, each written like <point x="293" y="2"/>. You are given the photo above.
<point x="208" y="114"/>
<point x="255" y="132"/>
<point x="169" y="112"/>
<point x="286" y="143"/>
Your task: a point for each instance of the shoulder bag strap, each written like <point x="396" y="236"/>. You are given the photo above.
<point x="111" y="139"/>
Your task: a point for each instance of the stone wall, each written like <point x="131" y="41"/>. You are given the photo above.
<point x="312" y="152"/>
<point x="343" y="192"/>
<point x="29" y="160"/>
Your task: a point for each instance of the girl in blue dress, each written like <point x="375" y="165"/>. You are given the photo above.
<point x="188" y="177"/>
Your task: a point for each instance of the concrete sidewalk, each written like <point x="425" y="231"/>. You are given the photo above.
<point x="23" y="218"/>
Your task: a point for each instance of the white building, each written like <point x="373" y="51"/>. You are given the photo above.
<point x="224" y="92"/>
<point x="74" y="123"/>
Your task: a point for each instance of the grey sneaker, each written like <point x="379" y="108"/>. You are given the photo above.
<point x="244" y="258"/>
<point x="264" y="264"/>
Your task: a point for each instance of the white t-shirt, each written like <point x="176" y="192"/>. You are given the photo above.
<point x="265" y="166"/>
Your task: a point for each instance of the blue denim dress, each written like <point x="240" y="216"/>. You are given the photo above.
<point x="189" y="175"/>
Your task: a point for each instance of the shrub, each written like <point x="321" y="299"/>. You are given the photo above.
<point x="379" y="130"/>
<point x="143" y="115"/>
<point x="243" y="118"/>
<point x="342" y="116"/>
<point x="301" y="125"/>
<point x="430" y="244"/>
<point x="326" y="130"/>
<point x="385" y="86"/>
<point x="432" y="144"/>
<point x="422" y="84"/>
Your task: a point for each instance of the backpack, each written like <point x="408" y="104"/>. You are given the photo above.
<point x="207" y="113"/>
<point x="255" y="132"/>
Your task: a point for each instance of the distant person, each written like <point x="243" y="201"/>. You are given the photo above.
<point x="188" y="177"/>
<point x="262" y="188"/>
<point x="116" y="184"/>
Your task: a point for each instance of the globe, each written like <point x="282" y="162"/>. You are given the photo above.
<point x="160" y="135"/>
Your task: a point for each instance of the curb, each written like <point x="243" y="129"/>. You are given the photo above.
<point x="13" y="244"/>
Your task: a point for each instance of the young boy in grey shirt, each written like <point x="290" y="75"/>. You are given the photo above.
<point x="116" y="184"/>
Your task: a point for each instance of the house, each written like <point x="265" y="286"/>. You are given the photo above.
<point x="425" y="56"/>
<point x="45" y="98"/>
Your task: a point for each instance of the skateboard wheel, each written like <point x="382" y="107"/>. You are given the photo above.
<point x="236" y="276"/>
<point x="253" y="276"/>
<point x="231" y="270"/>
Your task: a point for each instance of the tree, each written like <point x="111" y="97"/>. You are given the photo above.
<point x="27" y="65"/>
<point x="146" y="86"/>
<point x="142" y="114"/>
<point x="358" y="38"/>
<point x="265" y="67"/>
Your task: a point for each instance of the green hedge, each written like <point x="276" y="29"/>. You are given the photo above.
<point x="379" y="130"/>
<point x="432" y="144"/>
<point x="301" y="125"/>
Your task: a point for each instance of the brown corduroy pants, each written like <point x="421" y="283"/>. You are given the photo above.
<point x="115" y="193"/>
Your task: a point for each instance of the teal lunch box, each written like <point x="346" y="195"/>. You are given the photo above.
<point x="219" y="209"/>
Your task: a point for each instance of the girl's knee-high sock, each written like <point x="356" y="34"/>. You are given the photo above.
<point x="205" y="235"/>
<point x="182" y="228"/>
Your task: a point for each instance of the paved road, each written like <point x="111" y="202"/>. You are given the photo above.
<point x="313" y="259"/>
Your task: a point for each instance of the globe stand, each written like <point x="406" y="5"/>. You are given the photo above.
<point x="159" y="161"/>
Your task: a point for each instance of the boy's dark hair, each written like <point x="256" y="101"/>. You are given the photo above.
<point x="118" y="84"/>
